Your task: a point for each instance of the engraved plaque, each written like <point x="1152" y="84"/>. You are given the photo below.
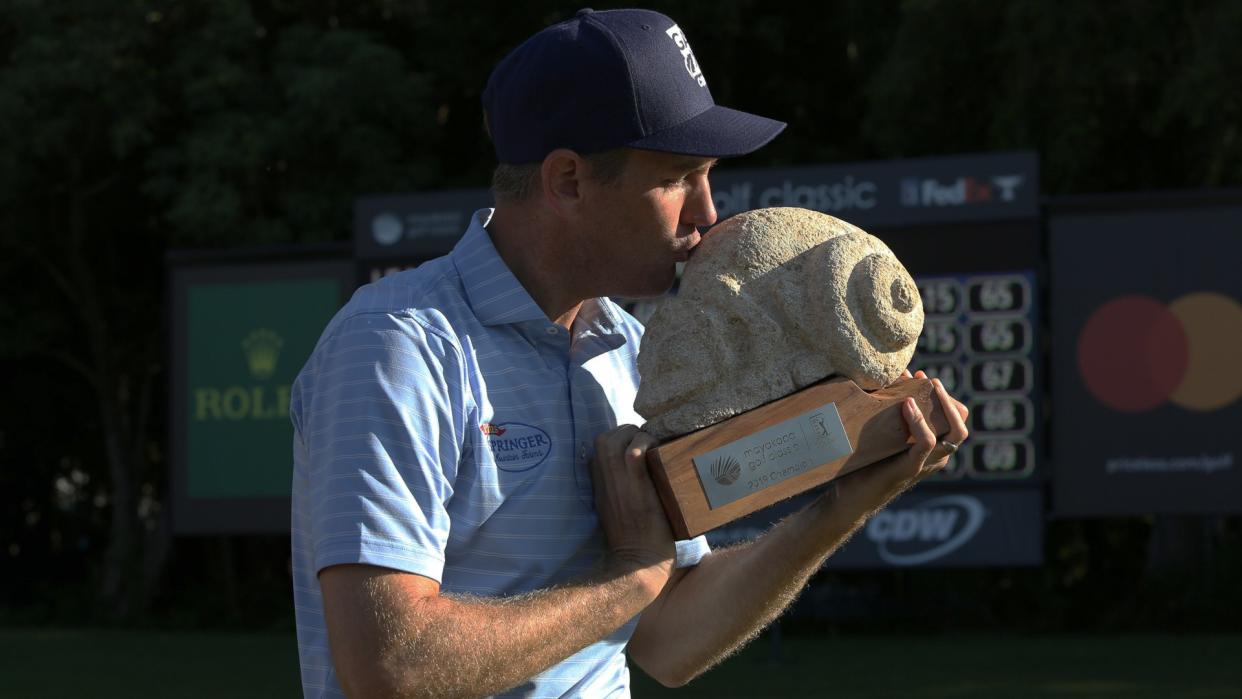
<point x="774" y="454"/>
<point x="868" y="427"/>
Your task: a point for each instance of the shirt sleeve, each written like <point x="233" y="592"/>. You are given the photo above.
<point x="382" y="425"/>
<point x="691" y="551"/>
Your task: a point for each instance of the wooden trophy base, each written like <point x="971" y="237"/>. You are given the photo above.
<point x="728" y="470"/>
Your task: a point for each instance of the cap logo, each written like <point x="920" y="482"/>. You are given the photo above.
<point x="692" y="65"/>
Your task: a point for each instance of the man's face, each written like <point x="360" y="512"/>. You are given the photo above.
<point x="641" y="226"/>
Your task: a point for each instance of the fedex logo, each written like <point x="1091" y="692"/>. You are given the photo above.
<point x="963" y="190"/>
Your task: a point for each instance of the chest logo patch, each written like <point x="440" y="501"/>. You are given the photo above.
<point x="517" y="446"/>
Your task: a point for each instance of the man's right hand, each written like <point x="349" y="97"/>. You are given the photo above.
<point x="883" y="481"/>
<point x="629" y="510"/>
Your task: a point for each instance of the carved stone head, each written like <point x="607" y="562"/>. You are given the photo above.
<point x="774" y="300"/>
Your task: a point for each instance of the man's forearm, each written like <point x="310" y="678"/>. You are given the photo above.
<point x="712" y="609"/>
<point x="689" y="627"/>
<point x="449" y="645"/>
<point x="395" y="634"/>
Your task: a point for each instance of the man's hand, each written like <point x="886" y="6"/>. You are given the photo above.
<point x="639" y="537"/>
<point x="686" y="631"/>
<point x="925" y="456"/>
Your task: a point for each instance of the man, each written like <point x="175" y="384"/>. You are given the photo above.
<point x="468" y="516"/>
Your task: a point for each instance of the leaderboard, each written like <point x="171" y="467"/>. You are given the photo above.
<point x="979" y="339"/>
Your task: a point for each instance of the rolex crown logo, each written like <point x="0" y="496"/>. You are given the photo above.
<point x="262" y="349"/>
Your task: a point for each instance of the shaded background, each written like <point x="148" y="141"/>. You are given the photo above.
<point x="130" y="129"/>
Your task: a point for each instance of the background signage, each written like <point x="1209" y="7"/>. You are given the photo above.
<point x="395" y="231"/>
<point x="241" y="333"/>
<point x="965" y="528"/>
<point x="927" y="529"/>
<point x="399" y="231"/>
<point x="891" y="193"/>
<point x="980" y="340"/>
<point x="967" y="227"/>
<point x="1148" y="328"/>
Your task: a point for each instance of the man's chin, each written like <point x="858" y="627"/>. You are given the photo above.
<point x="653" y="290"/>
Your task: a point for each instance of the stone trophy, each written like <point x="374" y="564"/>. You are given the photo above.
<point x="772" y="371"/>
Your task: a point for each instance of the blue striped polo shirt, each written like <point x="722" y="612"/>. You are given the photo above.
<point x="444" y="426"/>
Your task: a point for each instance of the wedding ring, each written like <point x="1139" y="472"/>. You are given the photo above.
<point x="951" y="447"/>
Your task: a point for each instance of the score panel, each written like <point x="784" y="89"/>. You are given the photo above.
<point x="979" y="339"/>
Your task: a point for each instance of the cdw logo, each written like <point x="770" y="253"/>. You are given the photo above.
<point x="927" y="531"/>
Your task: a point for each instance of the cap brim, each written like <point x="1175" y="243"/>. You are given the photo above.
<point x="719" y="132"/>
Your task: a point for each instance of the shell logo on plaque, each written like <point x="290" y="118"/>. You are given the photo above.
<point x="769" y="456"/>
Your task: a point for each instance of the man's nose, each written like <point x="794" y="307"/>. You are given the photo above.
<point x="699" y="209"/>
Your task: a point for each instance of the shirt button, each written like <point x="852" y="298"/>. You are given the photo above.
<point x="551" y="331"/>
<point x="582" y="452"/>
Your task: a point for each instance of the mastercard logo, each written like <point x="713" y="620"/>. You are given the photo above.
<point x="1136" y="353"/>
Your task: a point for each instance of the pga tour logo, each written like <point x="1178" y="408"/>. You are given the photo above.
<point x="927" y="531"/>
<point x="692" y="65"/>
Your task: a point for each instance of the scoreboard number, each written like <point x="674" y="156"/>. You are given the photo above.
<point x="1011" y="415"/>
<point x="1000" y="335"/>
<point x="939" y="338"/>
<point x="979" y="339"/>
<point x="999" y="294"/>
<point x="995" y="458"/>
<point x="947" y="372"/>
<point x="1000" y="376"/>
<point x="940" y="296"/>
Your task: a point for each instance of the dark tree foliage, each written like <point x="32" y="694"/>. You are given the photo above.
<point x="129" y="129"/>
<point x="133" y="127"/>
<point x="1113" y="96"/>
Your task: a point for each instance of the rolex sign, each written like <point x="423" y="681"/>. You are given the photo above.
<point x="243" y="333"/>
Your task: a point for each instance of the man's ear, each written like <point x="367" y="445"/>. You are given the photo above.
<point x="561" y="176"/>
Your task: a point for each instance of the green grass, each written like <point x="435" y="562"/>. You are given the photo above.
<point x="104" y="664"/>
<point x="88" y="663"/>
<point x="974" y="666"/>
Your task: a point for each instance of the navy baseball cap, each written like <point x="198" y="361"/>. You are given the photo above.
<point x="604" y="80"/>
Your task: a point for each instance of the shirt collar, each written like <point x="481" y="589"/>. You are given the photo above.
<point x="495" y="295"/>
<point x="498" y="298"/>
<point x="599" y="317"/>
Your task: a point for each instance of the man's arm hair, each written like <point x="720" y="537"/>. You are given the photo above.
<point x="685" y="631"/>
<point x="394" y="634"/>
